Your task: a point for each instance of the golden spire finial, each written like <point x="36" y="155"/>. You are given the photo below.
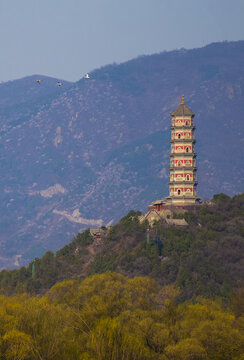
<point x="182" y="99"/>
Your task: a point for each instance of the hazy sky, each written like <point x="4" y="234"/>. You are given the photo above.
<point x="67" y="38"/>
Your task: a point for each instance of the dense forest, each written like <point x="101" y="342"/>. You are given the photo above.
<point x="177" y="294"/>
<point x="112" y="317"/>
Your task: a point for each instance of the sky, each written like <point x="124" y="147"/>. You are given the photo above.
<point x="67" y="38"/>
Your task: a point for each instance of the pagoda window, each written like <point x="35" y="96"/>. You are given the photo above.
<point x="179" y="163"/>
<point x="179" y="136"/>
<point x="187" y="177"/>
<point x="187" y="149"/>
<point x="179" y="192"/>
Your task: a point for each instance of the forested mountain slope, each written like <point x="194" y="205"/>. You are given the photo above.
<point x="206" y="258"/>
<point x="85" y="153"/>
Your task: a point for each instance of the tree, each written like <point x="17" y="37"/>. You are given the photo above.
<point x="18" y="345"/>
<point x="186" y="349"/>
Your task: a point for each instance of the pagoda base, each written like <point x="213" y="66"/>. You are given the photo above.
<point x="165" y="209"/>
<point x="184" y="202"/>
<point x="173" y="203"/>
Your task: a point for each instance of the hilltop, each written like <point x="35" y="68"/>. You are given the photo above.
<point x="205" y="258"/>
<point x="85" y="153"/>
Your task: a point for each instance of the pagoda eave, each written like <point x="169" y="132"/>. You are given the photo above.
<point x="183" y="140"/>
<point x="179" y="182"/>
<point x="182" y="154"/>
<point x="187" y="127"/>
<point x="194" y="168"/>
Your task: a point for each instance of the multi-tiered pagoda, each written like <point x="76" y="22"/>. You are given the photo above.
<point x="183" y="182"/>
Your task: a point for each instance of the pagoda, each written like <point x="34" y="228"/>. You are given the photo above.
<point x="183" y="182"/>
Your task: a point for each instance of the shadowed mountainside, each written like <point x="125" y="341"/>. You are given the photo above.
<point x="85" y="153"/>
